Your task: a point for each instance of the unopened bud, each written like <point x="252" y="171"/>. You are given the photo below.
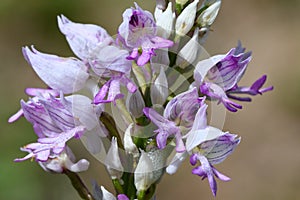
<point x="161" y="4"/>
<point x="208" y="16"/>
<point x="159" y="89"/>
<point x="135" y="104"/>
<point x="164" y="21"/>
<point x="186" y="19"/>
<point x="129" y="146"/>
<point x="150" y="167"/>
<point x="113" y="161"/>
<point x="187" y="55"/>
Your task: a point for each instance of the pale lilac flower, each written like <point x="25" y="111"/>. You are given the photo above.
<point x="223" y="72"/>
<point x="183" y="108"/>
<point x="47" y="146"/>
<point x="178" y="116"/>
<point x="208" y="145"/>
<point x="138" y="34"/>
<point x="93" y="45"/>
<point x="57" y="120"/>
<point x="165" y="129"/>
<point x="63" y="74"/>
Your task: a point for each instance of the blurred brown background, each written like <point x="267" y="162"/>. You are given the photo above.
<point x="266" y="164"/>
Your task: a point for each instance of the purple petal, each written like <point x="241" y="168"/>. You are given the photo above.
<point x="161" y="139"/>
<point x="16" y="116"/>
<point x="220" y="176"/>
<point x="122" y="197"/>
<point x="193" y="159"/>
<point x="160" y="42"/>
<point x="183" y="108"/>
<point x="212" y="183"/>
<point x="144" y="58"/>
<point x="102" y="93"/>
<point x="36" y="114"/>
<point x="199" y="171"/>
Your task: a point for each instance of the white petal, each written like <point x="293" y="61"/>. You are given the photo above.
<point x="84" y="111"/>
<point x="195" y="138"/>
<point x="204" y="66"/>
<point x="81" y="165"/>
<point x="107" y="195"/>
<point x="92" y="141"/>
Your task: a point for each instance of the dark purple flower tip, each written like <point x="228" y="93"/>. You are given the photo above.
<point x="256" y="87"/>
<point x="193" y="159"/>
<point x="248" y="99"/>
<point x="230" y="105"/>
<point x="199" y="171"/>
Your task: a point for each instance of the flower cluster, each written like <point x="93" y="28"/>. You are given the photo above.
<point x="137" y="74"/>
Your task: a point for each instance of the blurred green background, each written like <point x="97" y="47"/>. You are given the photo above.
<point x="266" y="164"/>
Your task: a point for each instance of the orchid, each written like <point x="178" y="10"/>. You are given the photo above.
<point x="223" y="72"/>
<point x="136" y="100"/>
<point x="138" y="31"/>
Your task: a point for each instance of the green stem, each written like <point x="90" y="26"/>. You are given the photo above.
<point x="118" y="186"/>
<point x="147" y="195"/>
<point x="78" y="184"/>
<point x="110" y="125"/>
